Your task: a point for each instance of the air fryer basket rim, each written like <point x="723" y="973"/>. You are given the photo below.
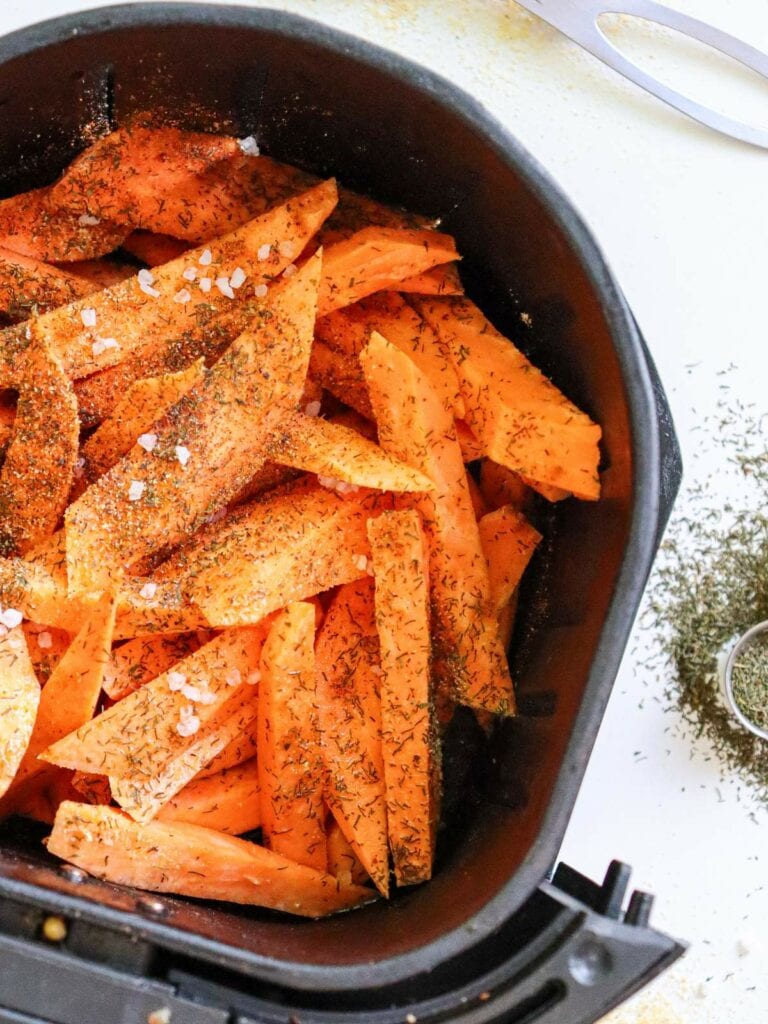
<point x="646" y="449"/>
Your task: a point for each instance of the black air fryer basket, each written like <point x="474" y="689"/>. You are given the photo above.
<point x="496" y="936"/>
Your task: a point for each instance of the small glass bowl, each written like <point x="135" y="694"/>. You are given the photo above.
<point x="727" y="677"/>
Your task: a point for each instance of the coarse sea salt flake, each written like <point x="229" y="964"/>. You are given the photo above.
<point x="222" y="283"/>
<point x="237" y="277"/>
<point x="176" y="680"/>
<point x="260" y="291"/>
<point x="286" y="249"/>
<point x="87" y="220"/>
<point x="183" y="295"/>
<point x="253" y="678"/>
<point x="249" y="146"/>
<point x="146" y="276"/>
<point x="205" y="258"/>
<point x="136" y="489"/>
<point x="44" y="640"/>
<point x="190" y="274"/>
<point x="188" y="726"/>
<point x="88" y="316"/>
<point x="262" y="253"/>
<point x="102" y="344"/>
<point x="312" y="408"/>
<point x="182" y="454"/>
<point x="148" y="591"/>
<point x="361" y="563"/>
<point x="233" y="677"/>
<point x="147" y="441"/>
<point x="11" y="617"/>
<point x="149" y="290"/>
<point x="290" y="270"/>
<point x="205" y="284"/>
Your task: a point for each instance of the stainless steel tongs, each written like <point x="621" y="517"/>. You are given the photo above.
<point x="578" y="19"/>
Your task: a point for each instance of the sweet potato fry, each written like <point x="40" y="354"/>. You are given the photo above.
<point x="415" y="426"/>
<point x="34" y="224"/>
<point x="442" y="280"/>
<point x="37" y="473"/>
<point x="193" y="861"/>
<point x="39" y="796"/>
<point x="508" y="541"/>
<point x="154" y="249"/>
<point x="203" y="684"/>
<point x="145" y="402"/>
<point x="377" y="259"/>
<point x="522" y="419"/>
<point x="19" y="699"/>
<point x="227" y="801"/>
<point x="29" y="286"/>
<point x="94" y="789"/>
<point x="282" y="549"/>
<point x="290" y="760"/>
<point x="68" y="700"/>
<point x="349" y="707"/>
<point x="332" y="450"/>
<point x="343" y="862"/>
<point x="502" y="486"/>
<point x="238" y="750"/>
<point x="348" y="331"/>
<point x="208" y="445"/>
<point x="99" y="274"/>
<point x="408" y="729"/>
<point x="133" y="311"/>
<point x="144" y="797"/>
<point x="341" y="375"/>
<point x="139" y="660"/>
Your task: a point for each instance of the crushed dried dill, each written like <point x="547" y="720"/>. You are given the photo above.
<point x="711" y="584"/>
<point x="749" y="680"/>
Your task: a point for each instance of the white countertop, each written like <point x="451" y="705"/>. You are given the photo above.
<point x="682" y="215"/>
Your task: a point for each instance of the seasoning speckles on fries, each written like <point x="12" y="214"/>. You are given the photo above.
<point x="266" y="480"/>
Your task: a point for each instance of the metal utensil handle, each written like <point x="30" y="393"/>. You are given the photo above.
<point x="579" y="21"/>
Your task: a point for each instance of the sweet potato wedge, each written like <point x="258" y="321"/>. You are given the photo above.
<point x="68" y="700"/>
<point x="333" y="450"/>
<point x="415" y="426"/>
<point x="509" y="542"/>
<point x="282" y="549"/>
<point x="145" y="402"/>
<point x="19" y="699"/>
<point x="39" y="465"/>
<point x="45" y="644"/>
<point x="147" y="721"/>
<point x="343" y="862"/>
<point x="193" y="861"/>
<point x="33" y="224"/>
<point x="98" y="274"/>
<point x="410" y="748"/>
<point x="376" y="259"/>
<point x="139" y="660"/>
<point x="348" y="675"/>
<point x="30" y="286"/>
<point x="501" y="486"/>
<point x="153" y="248"/>
<point x="290" y="761"/>
<point x="93" y="789"/>
<point x="442" y="280"/>
<point x="522" y="419"/>
<point x="133" y="311"/>
<point x="341" y="375"/>
<point x="227" y="801"/>
<point x="208" y="445"/>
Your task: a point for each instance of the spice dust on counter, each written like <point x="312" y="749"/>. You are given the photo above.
<point x="710" y="585"/>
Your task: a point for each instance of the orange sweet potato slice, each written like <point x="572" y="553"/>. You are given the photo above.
<point x="139" y="660"/>
<point x="333" y="450"/>
<point x="502" y="486"/>
<point x="99" y="274"/>
<point x="341" y="375"/>
<point x="509" y="542"/>
<point x="415" y="426"/>
<point x="349" y="705"/>
<point x="227" y="801"/>
<point x="135" y="310"/>
<point x="45" y="644"/>
<point x="94" y="789"/>
<point x="131" y="175"/>
<point x="144" y="797"/>
<point x="37" y="473"/>
<point x="19" y="698"/>
<point x="144" y="402"/>
<point x="30" y="286"/>
<point x="285" y="548"/>
<point x="68" y="700"/>
<point x="34" y="224"/>
<point x="343" y="862"/>
<point x="238" y="750"/>
<point x="290" y="760"/>
<point x="208" y="445"/>
<point x="378" y="258"/>
<point x="522" y="419"/>
<point x="139" y="735"/>
<point x="443" y="280"/>
<point x="348" y="331"/>
<point x="193" y="861"/>
<point x="409" y="739"/>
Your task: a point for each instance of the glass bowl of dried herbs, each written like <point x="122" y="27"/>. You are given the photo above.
<point x="745" y="680"/>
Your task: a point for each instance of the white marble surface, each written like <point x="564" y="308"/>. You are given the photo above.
<point x="682" y="215"/>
